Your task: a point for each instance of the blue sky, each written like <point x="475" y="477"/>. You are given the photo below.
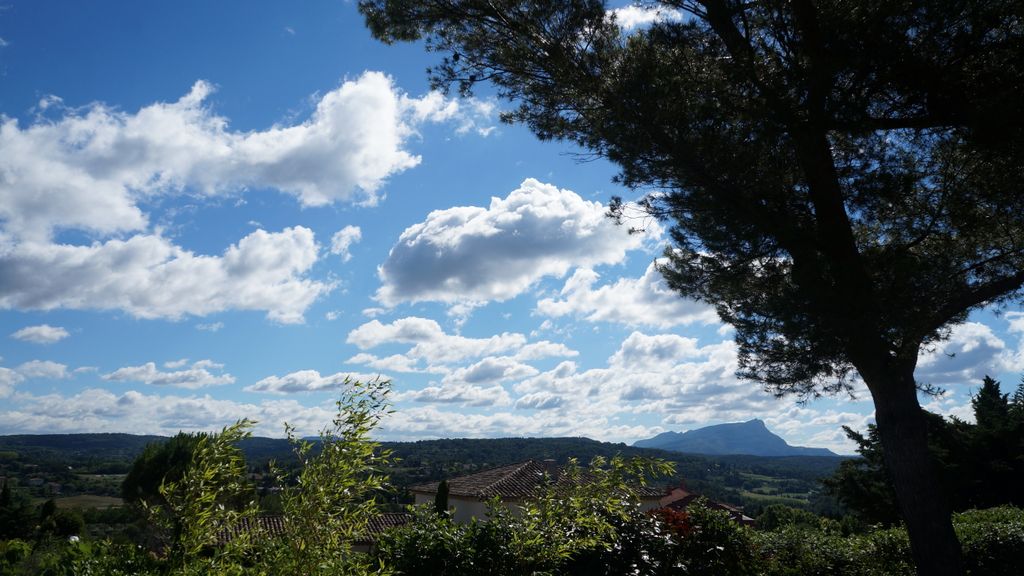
<point x="217" y="210"/>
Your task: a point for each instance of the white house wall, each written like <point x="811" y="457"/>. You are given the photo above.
<point x="465" y="508"/>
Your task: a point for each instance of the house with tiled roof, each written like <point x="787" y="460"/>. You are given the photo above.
<point x="273" y="527"/>
<point x="512" y="484"/>
<point x="680" y="497"/>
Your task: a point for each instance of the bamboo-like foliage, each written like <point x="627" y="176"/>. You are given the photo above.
<point x="212" y="498"/>
<point x="332" y="501"/>
<point x="211" y="512"/>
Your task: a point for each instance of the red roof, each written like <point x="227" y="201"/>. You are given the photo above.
<point x="680" y="498"/>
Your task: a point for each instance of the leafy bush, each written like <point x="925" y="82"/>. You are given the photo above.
<point x="205" y="501"/>
<point x="992" y="540"/>
<point x="209" y="511"/>
<point x="642" y="546"/>
<point x="159" y="462"/>
<point x="430" y="544"/>
<point x="332" y="501"/>
<point x="78" y="558"/>
<point x="798" y="551"/>
<point x="12" y="553"/>
<point x="665" y="542"/>
<point x="716" y="545"/>
<point x="16" y="513"/>
<point x="566" y="528"/>
<point x="700" y="541"/>
<point x="776" y="516"/>
<point x="433" y="545"/>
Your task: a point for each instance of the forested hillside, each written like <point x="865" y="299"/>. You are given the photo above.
<point x="93" y="463"/>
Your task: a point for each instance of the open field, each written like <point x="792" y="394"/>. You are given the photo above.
<point x="89" y="501"/>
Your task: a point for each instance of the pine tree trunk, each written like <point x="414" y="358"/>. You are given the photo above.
<point x="925" y="508"/>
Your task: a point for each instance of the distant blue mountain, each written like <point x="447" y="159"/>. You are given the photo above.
<point x="751" y="437"/>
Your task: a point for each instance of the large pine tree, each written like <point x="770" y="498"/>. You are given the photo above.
<point x="842" y="177"/>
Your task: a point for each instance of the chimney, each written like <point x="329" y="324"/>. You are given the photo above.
<point x="551" y="468"/>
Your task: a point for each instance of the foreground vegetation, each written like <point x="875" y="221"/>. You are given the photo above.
<point x="200" y="519"/>
<point x="698" y="541"/>
<point x="591" y="537"/>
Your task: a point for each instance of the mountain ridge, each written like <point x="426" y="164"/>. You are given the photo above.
<point x="751" y="437"/>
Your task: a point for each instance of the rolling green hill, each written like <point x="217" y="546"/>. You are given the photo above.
<point x="75" y="460"/>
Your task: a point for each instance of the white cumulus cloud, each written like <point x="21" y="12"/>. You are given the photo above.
<point x="644" y="301"/>
<point x="394" y="363"/>
<point x="149" y="277"/>
<point x="462" y="394"/>
<point x="664" y="374"/>
<point x="97" y="410"/>
<point x="343" y="240"/>
<point x="196" y="376"/>
<point x="308" y="381"/>
<point x="640" y="351"/>
<point x="635" y="16"/>
<point x="429" y="340"/>
<point x="972" y="351"/>
<point x="89" y="168"/>
<point x="475" y="254"/>
<point x="8" y="380"/>
<point x="45" y="369"/>
<point x="96" y="169"/>
<point x="42" y="334"/>
<point x="545" y="349"/>
<point x="492" y="369"/>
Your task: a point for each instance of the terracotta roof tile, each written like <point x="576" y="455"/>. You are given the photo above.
<point x="381" y="522"/>
<point x="511" y="482"/>
<point x="265" y="526"/>
<point x="273" y="526"/>
<point x="680" y="499"/>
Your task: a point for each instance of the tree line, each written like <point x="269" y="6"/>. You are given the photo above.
<point x="980" y="464"/>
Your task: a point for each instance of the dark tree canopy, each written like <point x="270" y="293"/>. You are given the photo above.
<point x="441" y="498"/>
<point x="159" y="462"/>
<point x="842" y="177"/>
<point x="909" y="113"/>
<point x="991" y="406"/>
<point x="16" y="513"/>
<point x="982" y="463"/>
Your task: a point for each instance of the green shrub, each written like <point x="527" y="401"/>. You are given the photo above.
<point x="667" y="542"/>
<point x="78" y="558"/>
<point x="431" y="544"/>
<point x="12" y="553"/>
<point x="209" y="512"/>
<point x="332" y="501"/>
<point x="715" y="544"/>
<point x="992" y="540"/>
<point x="570" y="526"/>
<point x="643" y="546"/>
<point x="205" y="500"/>
<point x="776" y="516"/>
<point x="798" y="551"/>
